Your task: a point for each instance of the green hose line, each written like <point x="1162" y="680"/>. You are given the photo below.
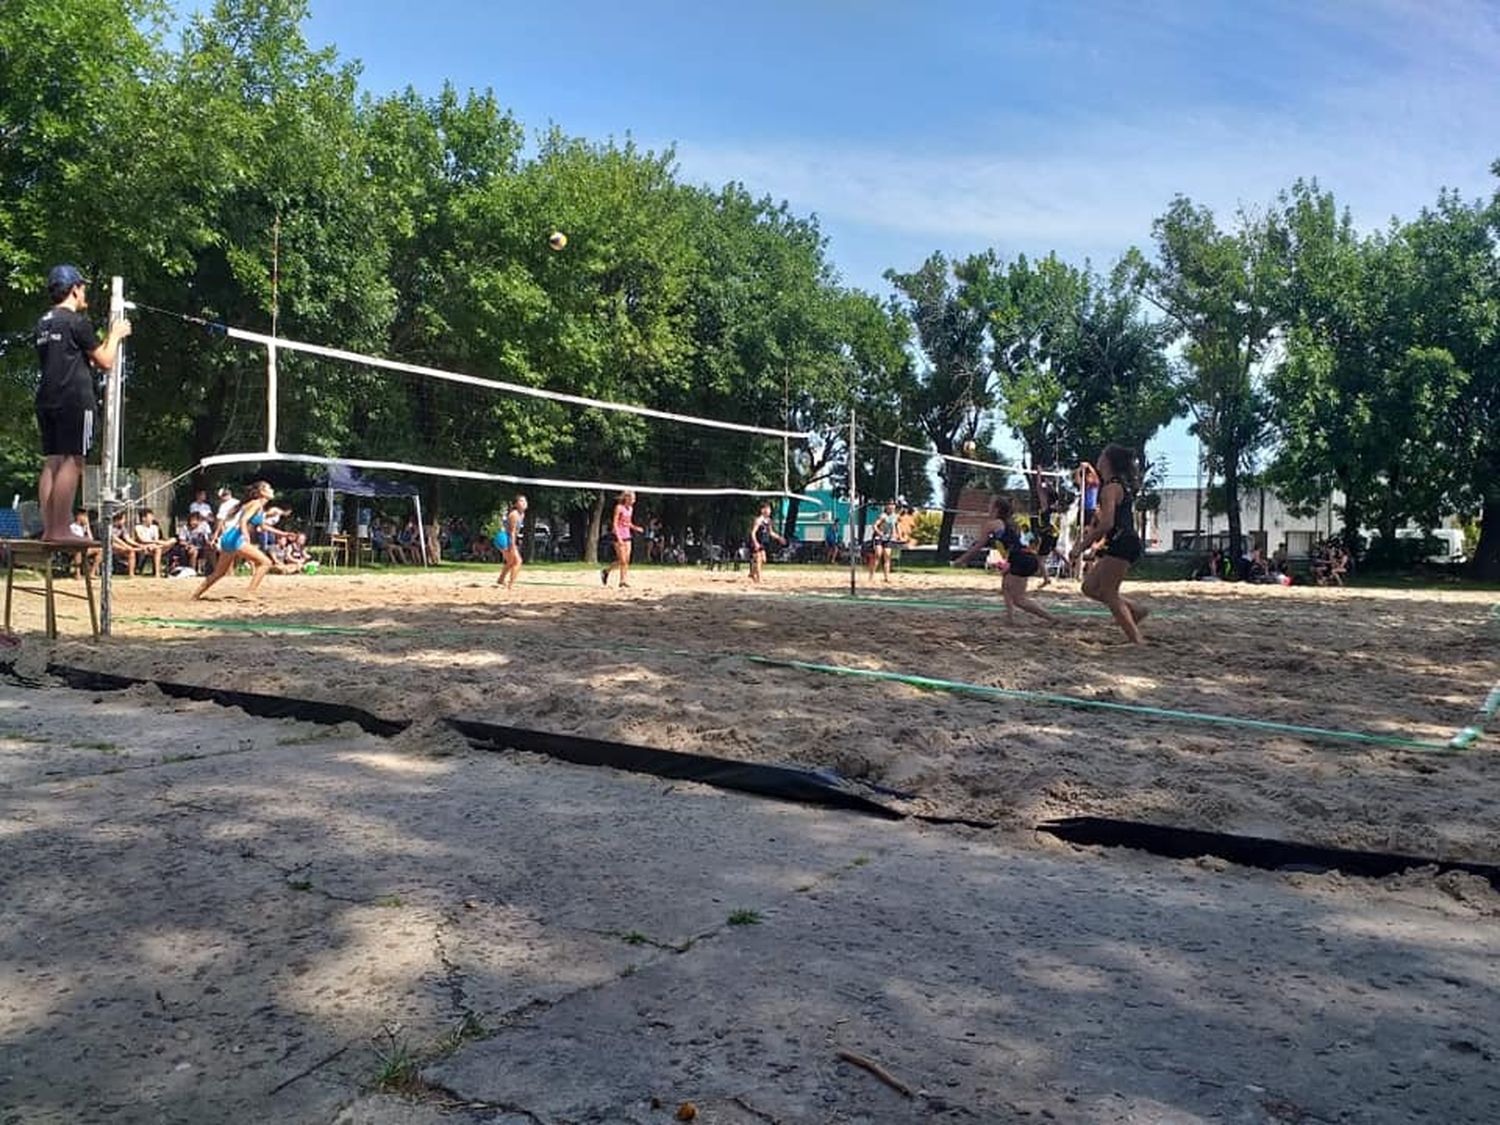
<point x="983" y="690"/>
<point x="1471" y="733"/>
<point x="933" y="603"/>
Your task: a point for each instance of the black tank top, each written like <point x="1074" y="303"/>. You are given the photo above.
<point x="1124" y="510"/>
<point x="1007" y="537"/>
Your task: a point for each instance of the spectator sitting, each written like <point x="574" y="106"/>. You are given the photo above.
<point x="149" y="539"/>
<point x="382" y="544"/>
<point x="201" y="505"/>
<point x="80" y="529"/>
<point x="197" y="541"/>
<point x="121" y="544"/>
<point x="291" y="555"/>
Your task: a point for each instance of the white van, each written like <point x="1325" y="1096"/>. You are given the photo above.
<point x="1447" y="544"/>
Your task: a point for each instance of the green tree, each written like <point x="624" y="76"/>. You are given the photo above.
<point x="1362" y="403"/>
<point x="1220" y="289"/>
<point x="955" y="388"/>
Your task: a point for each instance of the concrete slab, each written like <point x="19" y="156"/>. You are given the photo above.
<point x="242" y="936"/>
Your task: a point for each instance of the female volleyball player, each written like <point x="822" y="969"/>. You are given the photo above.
<point x="1114" y="523"/>
<point x="761" y="534"/>
<point x="621" y="525"/>
<point x="1022" y="561"/>
<point x="237" y="541"/>
<point x="508" y="540"/>
<point x="884" y="537"/>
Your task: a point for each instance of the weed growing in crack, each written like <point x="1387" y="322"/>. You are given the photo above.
<point x="391" y="901"/>
<point x="470" y="1027"/>
<point x="745" y="918"/>
<point x="398" y="1071"/>
<point x="635" y="937"/>
<point x="859" y="861"/>
<point x="300" y="884"/>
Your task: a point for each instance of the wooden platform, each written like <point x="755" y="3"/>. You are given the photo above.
<point x="33" y="554"/>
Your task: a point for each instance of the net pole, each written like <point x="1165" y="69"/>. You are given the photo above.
<point x="271" y="387"/>
<point x="271" y="371"/>
<point x="109" y="456"/>
<point x="896" y="487"/>
<point x="853" y="501"/>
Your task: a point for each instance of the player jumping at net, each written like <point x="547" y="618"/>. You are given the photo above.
<point x="622" y="526"/>
<point x="237" y="540"/>
<point x="884" y="537"/>
<point x="1021" y="562"/>
<point x="508" y="542"/>
<point x="1114" y="524"/>
<point x="761" y="535"/>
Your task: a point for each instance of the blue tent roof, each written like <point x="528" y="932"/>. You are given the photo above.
<point x="343" y="478"/>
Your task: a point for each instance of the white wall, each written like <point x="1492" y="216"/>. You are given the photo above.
<point x="1179" y="505"/>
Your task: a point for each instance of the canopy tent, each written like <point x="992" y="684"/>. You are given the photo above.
<point x="345" y="479"/>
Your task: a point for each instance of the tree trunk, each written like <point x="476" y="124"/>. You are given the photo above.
<point x="1486" y="564"/>
<point x="793" y="508"/>
<point x="954" y="479"/>
<point x="1232" y="503"/>
<point x="591" y="541"/>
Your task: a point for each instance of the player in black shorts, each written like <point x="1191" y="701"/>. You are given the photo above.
<point x="1114" y="524"/>
<point x="67" y="346"/>
<point x="1021" y="563"/>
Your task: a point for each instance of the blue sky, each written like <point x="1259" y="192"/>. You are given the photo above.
<point x="1028" y="126"/>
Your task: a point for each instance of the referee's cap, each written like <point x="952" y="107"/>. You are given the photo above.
<point x="61" y="279"/>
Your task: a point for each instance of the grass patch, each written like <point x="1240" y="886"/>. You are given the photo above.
<point x="860" y="861"/>
<point x="300" y="884"/>
<point x="398" y="1070"/>
<point x="102" y="747"/>
<point x="635" y="937"/>
<point x="469" y="1028"/>
<point x="389" y="901"/>
<point x="745" y="918"/>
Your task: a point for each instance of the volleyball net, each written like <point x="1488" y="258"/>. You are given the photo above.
<point x="1041" y="498"/>
<point x="290" y="403"/>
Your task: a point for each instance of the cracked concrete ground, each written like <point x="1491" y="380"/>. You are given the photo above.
<point x="210" y="917"/>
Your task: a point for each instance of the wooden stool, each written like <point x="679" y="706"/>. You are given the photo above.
<point x="34" y="554"/>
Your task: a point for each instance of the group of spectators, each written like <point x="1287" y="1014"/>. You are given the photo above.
<point x="194" y="548"/>
<point x="1330" y="562"/>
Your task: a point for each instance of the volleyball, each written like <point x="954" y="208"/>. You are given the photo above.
<point x="969" y="448"/>
<point x="558" y="240"/>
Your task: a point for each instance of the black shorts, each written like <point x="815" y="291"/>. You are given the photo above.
<point x="67" y="431"/>
<point x="1023" y="564"/>
<point x="1126" y="545"/>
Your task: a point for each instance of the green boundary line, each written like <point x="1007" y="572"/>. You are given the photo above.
<point x="1460" y="741"/>
<point x="1470" y="734"/>
<point x="959" y="687"/>
<point x="981" y="606"/>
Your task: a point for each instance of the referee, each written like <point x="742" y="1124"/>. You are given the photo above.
<point x="66" y="345"/>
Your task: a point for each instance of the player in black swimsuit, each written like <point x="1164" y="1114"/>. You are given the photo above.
<point x="1114" y="524"/>
<point x="1022" y="563"/>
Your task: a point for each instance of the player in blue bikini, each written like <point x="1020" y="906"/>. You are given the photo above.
<point x="237" y="541"/>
